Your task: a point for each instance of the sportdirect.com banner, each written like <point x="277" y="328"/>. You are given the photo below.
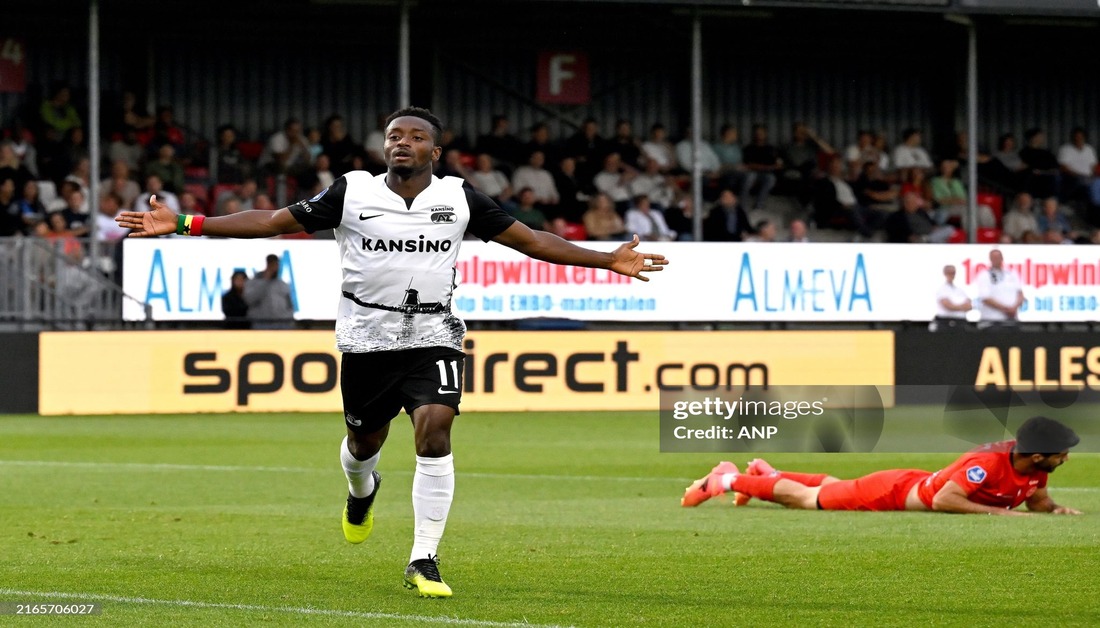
<point x="183" y="279"/>
<point x="298" y="371"/>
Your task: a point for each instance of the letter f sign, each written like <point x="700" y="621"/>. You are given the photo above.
<point x="560" y="72"/>
<point x="563" y="78"/>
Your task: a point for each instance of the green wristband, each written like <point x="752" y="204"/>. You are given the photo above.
<point x="180" y="226"/>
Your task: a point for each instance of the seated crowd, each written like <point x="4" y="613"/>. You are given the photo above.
<point x="585" y="186"/>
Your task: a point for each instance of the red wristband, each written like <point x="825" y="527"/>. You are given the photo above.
<point x="196" y="225"/>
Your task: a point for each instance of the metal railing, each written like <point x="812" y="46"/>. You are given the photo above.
<point x="52" y="284"/>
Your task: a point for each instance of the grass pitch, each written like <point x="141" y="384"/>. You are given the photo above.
<point x="559" y="519"/>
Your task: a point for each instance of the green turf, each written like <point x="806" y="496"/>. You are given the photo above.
<point x="562" y="519"/>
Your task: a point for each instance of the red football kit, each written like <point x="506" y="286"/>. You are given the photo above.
<point x="987" y="477"/>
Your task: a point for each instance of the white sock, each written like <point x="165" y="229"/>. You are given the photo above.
<point x="432" y="492"/>
<point x="360" y="473"/>
<point x="727" y="480"/>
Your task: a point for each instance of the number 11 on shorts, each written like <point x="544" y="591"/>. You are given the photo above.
<point x="448" y="381"/>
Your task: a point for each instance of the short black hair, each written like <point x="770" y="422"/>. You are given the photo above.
<point x="1045" y="436"/>
<point x="423" y="114"/>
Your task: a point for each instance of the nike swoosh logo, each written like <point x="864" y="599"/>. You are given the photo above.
<point x="442" y="391"/>
<point x="362" y="217"/>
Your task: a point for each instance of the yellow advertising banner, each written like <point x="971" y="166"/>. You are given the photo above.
<point x="298" y="371"/>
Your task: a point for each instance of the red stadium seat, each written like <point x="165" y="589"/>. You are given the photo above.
<point x="250" y="150"/>
<point x="989" y="235"/>
<point x="959" y="237"/>
<point x="996" y="202"/>
<point x="574" y="231"/>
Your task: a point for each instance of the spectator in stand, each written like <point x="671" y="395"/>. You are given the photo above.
<point x="660" y="189"/>
<point x="534" y="176"/>
<point x="910" y="155"/>
<point x="540" y="140"/>
<point x="11" y="214"/>
<point x="836" y="205"/>
<point x="287" y="152"/>
<point x="913" y="223"/>
<point x="950" y="197"/>
<point x="727" y="220"/>
<point x="571" y="204"/>
<point x="1042" y="165"/>
<point x="526" y="212"/>
<point x="680" y="217"/>
<point x="234" y="307"/>
<point x="1051" y="218"/>
<point x="658" y="147"/>
<point x="450" y="139"/>
<point x="1008" y="156"/>
<point x="587" y="148"/>
<point x="490" y="181"/>
<point x="264" y="202"/>
<point x="270" y="305"/>
<point x="76" y="216"/>
<point x="30" y="206"/>
<point x="952" y="304"/>
<point x="373" y="145"/>
<point x="1078" y="162"/>
<point x="710" y="166"/>
<point x="602" y="222"/>
<point x="166" y="130"/>
<point x="58" y="114"/>
<point x="120" y="183"/>
<point x="918" y="183"/>
<point x="189" y="205"/>
<point x="1020" y="217"/>
<point x="23" y="144"/>
<point x="763" y="164"/>
<point x="730" y="156"/>
<point x="765" y="231"/>
<point x="127" y="149"/>
<point x="322" y="172"/>
<point x="106" y="229"/>
<point x="624" y="143"/>
<point x="999" y="293"/>
<point x="230" y="206"/>
<point x="229" y="165"/>
<point x="874" y="191"/>
<point x="452" y="165"/>
<point x="797" y="231"/>
<point x="153" y="185"/>
<point x="505" y="148"/>
<point x="167" y="169"/>
<point x="339" y="147"/>
<point x="130" y="115"/>
<point x="800" y="160"/>
<point x="61" y="199"/>
<point x="244" y="194"/>
<point x="614" y="181"/>
<point x="11" y="167"/>
<point x="647" y="222"/>
<point x="862" y="152"/>
<point x="81" y="177"/>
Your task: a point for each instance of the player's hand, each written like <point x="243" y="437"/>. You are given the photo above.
<point x="627" y="261"/>
<point x="159" y="221"/>
<point x="1063" y="510"/>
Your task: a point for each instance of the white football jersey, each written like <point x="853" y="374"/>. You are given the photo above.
<point x="398" y="257"/>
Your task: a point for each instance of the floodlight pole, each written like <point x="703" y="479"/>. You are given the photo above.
<point x="403" y="91"/>
<point x="972" y="130"/>
<point x="93" y="131"/>
<point x="697" y="125"/>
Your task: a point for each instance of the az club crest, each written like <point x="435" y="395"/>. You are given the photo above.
<point x="975" y="474"/>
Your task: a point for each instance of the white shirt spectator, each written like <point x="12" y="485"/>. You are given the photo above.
<point x="844" y="194"/>
<point x="685" y="153"/>
<point x="164" y="196"/>
<point x="650" y="226"/>
<point x="661" y="152"/>
<point x="491" y="184"/>
<point x="107" y="230"/>
<point x="955" y="296"/>
<point x="539" y="180"/>
<point x="1003" y="286"/>
<point x="656" y="187"/>
<point x="1080" y="161"/>
<point x="911" y="157"/>
<point x="611" y="184"/>
<point x="279" y="143"/>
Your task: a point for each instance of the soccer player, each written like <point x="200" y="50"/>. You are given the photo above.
<point x="992" y="479"/>
<point x="399" y="234"/>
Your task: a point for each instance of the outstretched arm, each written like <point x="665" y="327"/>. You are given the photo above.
<point x="952" y="498"/>
<point x="550" y="248"/>
<point x="1040" y="501"/>
<point x="247" y="224"/>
